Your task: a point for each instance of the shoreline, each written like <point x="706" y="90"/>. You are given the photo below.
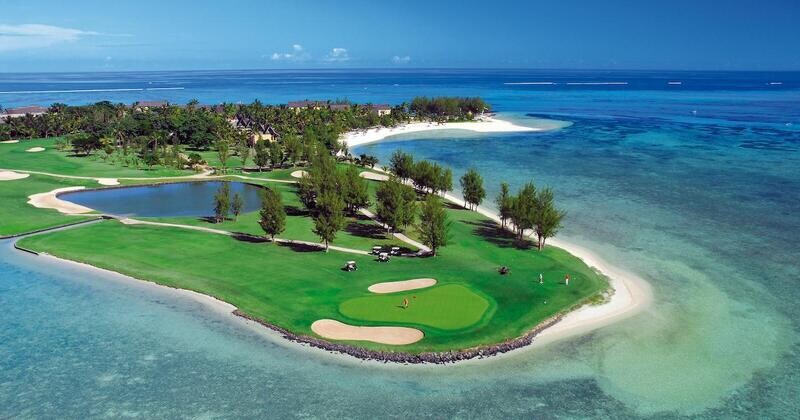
<point x="479" y="125"/>
<point x="630" y="295"/>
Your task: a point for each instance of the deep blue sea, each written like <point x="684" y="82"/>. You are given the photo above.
<point x="689" y="179"/>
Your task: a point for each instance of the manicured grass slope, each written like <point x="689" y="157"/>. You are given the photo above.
<point x="17" y="216"/>
<point x="292" y="288"/>
<point x="14" y="156"/>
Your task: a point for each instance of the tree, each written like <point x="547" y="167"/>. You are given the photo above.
<point x="396" y="205"/>
<point x="472" y="188"/>
<point x="237" y="204"/>
<point x="422" y="175"/>
<point x="243" y="150"/>
<point x="402" y="164"/>
<point x="503" y="202"/>
<point x="223" y="152"/>
<point x="433" y="225"/>
<point x="547" y="217"/>
<point x="523" y="213"/>
<point x="328" y="217"/>
<point x="294" y="149"/>
<point x="222" y="202"/>
<point x="273" y="215"/>
<point x="262" y="156"/>
<point x="355" y="191"/>
<point x="85" y="143"/>
<point x="276" y="155"/>
<point x="442" y="179"/>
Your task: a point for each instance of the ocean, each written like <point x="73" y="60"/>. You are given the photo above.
<point x="689" y="179"/>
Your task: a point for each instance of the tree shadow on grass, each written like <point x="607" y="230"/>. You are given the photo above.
<point x="363" y="228"/>
<point x="493" y="233"/>
<point x="298" y="247"/>
<point x="295" y="211"/>
<point x="247" y="237"/>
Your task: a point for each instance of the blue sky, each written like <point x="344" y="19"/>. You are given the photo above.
<point x="58" y="35"/>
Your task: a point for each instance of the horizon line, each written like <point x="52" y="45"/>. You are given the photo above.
<point x="344" y="69"/>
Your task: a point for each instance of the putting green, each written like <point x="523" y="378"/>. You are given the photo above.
<point x="446" y="307"/>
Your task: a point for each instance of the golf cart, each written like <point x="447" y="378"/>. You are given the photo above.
<point x="376" y="250"/>
<point x="350" y="266"/>
<point x="383" y="257"/>
<point x="395" y="250"/>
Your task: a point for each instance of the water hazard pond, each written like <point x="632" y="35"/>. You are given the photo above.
<point x="163" y="200"/>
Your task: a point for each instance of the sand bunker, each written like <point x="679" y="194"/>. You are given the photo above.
<point x="12" y="176"/>
<point x="49" y="200"/>
<point x="401" y="286"/>
<point x="373" y="176"/>
<point x="107" y="181"/>
<point x="298" y="174"/>
<point x="9" y="141"/>
<point x="35" y="149"/>
<point x="335" y="330"/>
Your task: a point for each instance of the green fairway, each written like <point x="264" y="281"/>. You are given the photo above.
<point x="14" y="156"/>
<point x="446" y="307"/>
<point x="293" y="287"/>
<point x="17" y="216"/>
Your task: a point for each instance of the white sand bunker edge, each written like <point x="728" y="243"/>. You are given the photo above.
<point x="49" y="200"/>
<point x="108" y="181"/>
<point x="35" y="149"/>
<point x="298" y="174"/>
<point x="335" y="330"/>
<point x="401" y="286"/>
<point x="12" y="176"/>
<point x="373" y="176"/>
<point x="9" y="141"/>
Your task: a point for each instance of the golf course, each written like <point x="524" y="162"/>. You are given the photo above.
<point x="293" y="282"/>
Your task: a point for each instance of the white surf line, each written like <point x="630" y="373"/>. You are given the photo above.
<point x="31" y="92"/>
<point x="530" y="83"/>
<point x="595" y="83"/>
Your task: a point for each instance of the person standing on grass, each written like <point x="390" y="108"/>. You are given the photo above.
<point x="405" y="303"/>
<point x="541" y="279"/>
<point x="566" y="279"/>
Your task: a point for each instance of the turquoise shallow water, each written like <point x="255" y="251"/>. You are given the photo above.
<point x="696" y="190"/>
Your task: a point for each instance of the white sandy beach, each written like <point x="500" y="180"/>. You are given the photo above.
<point x="483" y="125"/>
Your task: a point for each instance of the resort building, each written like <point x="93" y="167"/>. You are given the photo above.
<point x="339" y="107"/>
<point x="381" y="109"/>
<point x="145" y="105"/>
<point x="306" y="104"/>
<point x="23" y="110"/>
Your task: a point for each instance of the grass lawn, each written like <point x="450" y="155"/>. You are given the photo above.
<point x="293" y="287"/>
<point x="447" y="307"/>
<point x="14" y="156"/>
<point x="17" y="216"/>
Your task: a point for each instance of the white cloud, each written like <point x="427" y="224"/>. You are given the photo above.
<point x="297" y="54"/>
<point x="34" y="35"/>
<point x="337" y="55"/>
<point x="401" y="60"/>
